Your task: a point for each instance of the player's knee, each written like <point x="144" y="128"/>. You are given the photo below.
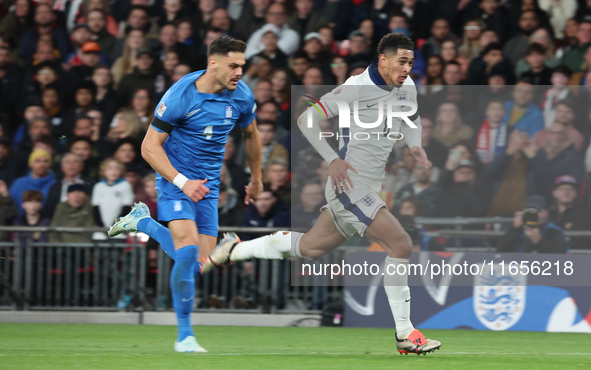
<point x="399" y="246"/>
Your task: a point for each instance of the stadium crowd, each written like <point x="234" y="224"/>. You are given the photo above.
<point x="504" y="101"/>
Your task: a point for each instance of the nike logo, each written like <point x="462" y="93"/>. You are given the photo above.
<point x="187" y="299"/>
<point x="407" y="300"/>
<point x="193" y="112"/>
<point x="369" y="106"/>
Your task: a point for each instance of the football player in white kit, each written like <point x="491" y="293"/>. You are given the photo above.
<point x="352" y="191"/>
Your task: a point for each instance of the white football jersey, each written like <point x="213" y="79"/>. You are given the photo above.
<point x="368" y="149"/>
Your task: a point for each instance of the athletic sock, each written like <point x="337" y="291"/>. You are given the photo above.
<point x="396" y="287"/>
<point x="159" y="233"/>
<point x="182" y="285"/>
<point x="276" y="246"/>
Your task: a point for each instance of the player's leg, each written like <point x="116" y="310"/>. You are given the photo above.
<point x="182" y="281"/>
<point x="390" y="235"/>
<point x="321" y="239"/>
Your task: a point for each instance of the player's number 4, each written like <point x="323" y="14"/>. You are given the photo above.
<point x="208" y="132"/>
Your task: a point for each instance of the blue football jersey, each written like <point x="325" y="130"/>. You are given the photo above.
<point x="198" y="125"/>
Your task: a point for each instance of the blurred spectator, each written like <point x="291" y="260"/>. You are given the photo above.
<point x="151" y="194"/>
<point x="200" y="58"/>
<point x="543" y="38"/>
<point x="97" y="22"/>
<point x="126" y="60"/>
<point x="50" y="99"/>
<point x="436" y="152"/>
<point x="399" y="172"/>
<point x="173" y="11"/>
<point x="289" y="40"/>
<point x="359" y="49"/>
<point x="169" y="43"/>
<point x="575" y="56"/>
<point x="127" y="152"/>
<point x="83" y="98"/>
<point x="185" y="32"/>
<point x="531" y="231"/>
<point x="271" y="149"/>
<point x="142" y="105"/>
<point x="257" y="76"/>
<point x="410" y="207"/>
<point x="307" y="211"/>
<point x="36" y="127"/>
<point x="496" y="18"/>
<point x="521" y="113"/>
<point x="90" y="57"/>
<point x="267" y="211"/>
<point x="76" y="211"/>
<point x="339" y="70"/>
<point x="32" y="202"/>
<point x="559" y="91"/>
<point x="220" y="19"/>
<point x="471" y="46"/>
<point x="8" y="164"/>
<point x="112" y="197"/>
<point x="538" y="72"/>
<point x="164" y="79"/>
<point x="8" y="209"/>
<point x="558" y="12"/>
<point x="45" y="25"/>
<point x="134" y="176"/>
<point x="464" y="197"/>
<point x="278" y="176"/>
<point x="565" y="115"/>
<point x="423" y="188"/>
<point x="492" y="56"/>
<point x="251" y="19"/>
<point x="105" y="98"/>
<point x="440" y="32"/>
<point x="45" y="76"/>
<point x="127" y="124"/>
<point x="306" y="19"/>
<point x="299" y="65"/>
<point x="40" y="178"/>
<point x="11" y="81"/>
<point x="450" y="52"/>
<point x="313" y="76"/>
<point x="179" y="71"/>
<point x="281" y="86"/>
<point x="236" y="171"/>
<point x="557" y="157"/>
<point x="18" y="21"/>
<point x="263" y="91"/>
<point x="515" y="47"/>
<point x="204" y="14"/>
<point x="80" y="35"/>
<point x="568" y="211"/>
<point x="229" y="207"/>
<point x="449" y="129"/>
<point x="420" y="17"/>
<point x="510" y="178"/>
<point x="104" y="7"/>
<point x="71" y="169"/>
<point x="143" y="76"/>
<point x="270" y="41"/>
<point x="139" y="19"/>
<point x="452" y="73"/>
<point x="491" y="138"/>
<point x="83" y="147"/>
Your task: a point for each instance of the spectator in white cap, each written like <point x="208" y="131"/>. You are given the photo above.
<point x="569" y="212"/>
<point x="289" y="40"/>
<point x="315" y="51"/>
<point x="306" y="19"/>
<point x="270" y="40"/>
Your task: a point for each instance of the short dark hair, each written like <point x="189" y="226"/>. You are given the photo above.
<point x="492" y="46"/>
<point x="266" y="122"/>
<point x="399" y="14"/>
<point x="564" y="69"/>
<point x="79" y="118"/>
<point x="494" y="100"/>
<point x="224" y="45"/>
<point x="76" y="139"/>
<point x="140" y="7"/>
<point x="535" y="48"/>
<point x="32" y="196"/>
<point x="394" y="41"/>
<point x="45" y="139"/>
<point x="452" y="63"/>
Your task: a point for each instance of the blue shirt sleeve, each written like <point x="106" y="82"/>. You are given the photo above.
<point x="248" y="111"/>
<point x="170" y="109"/>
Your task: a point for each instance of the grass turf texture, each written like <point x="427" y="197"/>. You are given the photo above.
<point x="63" y="346"/>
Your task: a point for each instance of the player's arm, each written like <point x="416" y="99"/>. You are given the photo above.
<point x="414" y="139"/>
<point x="153" y="152"/>
<point x="253" y="149"/>
<point x="337" y="168"/>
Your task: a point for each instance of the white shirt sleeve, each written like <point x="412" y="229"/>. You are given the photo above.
<point x="95" y="201"/>
<point x="254" y="44"/>
<point x="289" y="41"/>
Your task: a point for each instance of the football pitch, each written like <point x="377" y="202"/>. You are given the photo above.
<point x="65" y="346"/>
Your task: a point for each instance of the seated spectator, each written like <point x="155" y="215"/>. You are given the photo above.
<point x="559" y="91"/>
<point x="139" y="18"/>
<point x="267" y="211"/>
<point x="127" y="152"/>
<point x="251" y="19"/>
<point x="90" y="57"/>
<point x="510" y="178"/>
<point x="399" y="172"/>
<point x="450" y="53"/>
<point x="543" y="38"/>
<point x="142" y="105"/>
<point x="87" y="9"/>
<point x="230" y="211"/>
<point x="440" y="32"/>
<point x="8" y="209"/>
<point x="278" y="176"/>
<point x="105" y="99"/>
<point x="50" y="100"/>
<point x="134" y="176"/>
<point x="126" y="60"/>
<point x="491" y="57"/>
<point x="420" y="242"/>
<point x="76" y="211"/>
<point x="568" y="211"/>
<point x="32" y="203"/>
<point x="521" y="113"/>
<point x="236" y="171"/>
<point x="515" y="47"/>
<point x="436" y="152"/>
<point x="271" y="149"/>
<point x="557" y="157"/>
<point x="532" y="232"/>
<point x="449" y="129"/>
<point x="71" y="169"/>
<point x="45" y="76"/>
<point x="164" y="79"/>
<point x="8" y="164"/>
<point x="307" y="211"/>
<point x="575" y="56"/>
<point x="36" y="127"/>
<point x="143" y="76"/>
<point x="289" y="40"/>
<point x="258" y="73"/>
<point x="270" y="40"/>
<point x="112" y="197"/>
<point x="21" y="157"/>
<point x="471" y="46"/>
<point x="168" y="42"/>
<point x="464" y="197"/>
<point x="410" y="207"/>
<point x="126" y="125"/>
<point x="564" y="115"/>
<point x="151" y="195"/>
<point x="359" y="49"/>
<point x="493" y="133"/>
<point x="83" y="147"/>
<point x="538" y="72"/>
<point x="433" y="79"/>
<point x="83" y="98"/>
<point x="98" y="22"/>
<point x="45" y="25"/>
<point x="306" y="19"/>
<point x="40" y="178"/>
<point x="423" y="188"/>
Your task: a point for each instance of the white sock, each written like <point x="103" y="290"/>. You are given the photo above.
<point x="396" y="287"/>
<point x="276" y="246"/>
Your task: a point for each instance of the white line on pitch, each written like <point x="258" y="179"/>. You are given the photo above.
<point x="438" y="353"/>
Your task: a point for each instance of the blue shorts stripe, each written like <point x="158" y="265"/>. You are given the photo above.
<point x="349" y="206"/>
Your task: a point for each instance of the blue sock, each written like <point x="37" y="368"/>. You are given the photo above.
<point x="159" y="233"/>
<point x="182" y="285"/>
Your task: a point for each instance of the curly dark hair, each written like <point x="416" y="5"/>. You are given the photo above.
<point x="394" y="41"/>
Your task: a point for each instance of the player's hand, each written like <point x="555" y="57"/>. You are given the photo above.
<point x="518" y="220"/>
<point x="420" y="156"/>
<point x="337" y="170"/>
<point x="196" y="189"/>
<point x="253" y="190"/>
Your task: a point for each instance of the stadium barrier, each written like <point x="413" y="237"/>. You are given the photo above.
<point x="118" y="274"/>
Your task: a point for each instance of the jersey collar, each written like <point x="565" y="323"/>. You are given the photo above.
<point x="377" y="78"/>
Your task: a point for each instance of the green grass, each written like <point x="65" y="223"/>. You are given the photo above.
<point x="61" y="346"/>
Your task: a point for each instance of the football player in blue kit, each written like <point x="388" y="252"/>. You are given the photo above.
<point x="185" y="146"/>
